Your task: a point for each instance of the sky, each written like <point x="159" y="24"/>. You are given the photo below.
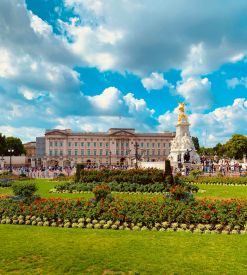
<point x="90" y="65"/>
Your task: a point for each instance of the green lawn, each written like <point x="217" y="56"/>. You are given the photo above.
<point x="41" y="250"/>
<point x="206" y="191"/>
<point x="220" y="191"/>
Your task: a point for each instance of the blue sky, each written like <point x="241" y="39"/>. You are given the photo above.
<point x="90" y="65"/>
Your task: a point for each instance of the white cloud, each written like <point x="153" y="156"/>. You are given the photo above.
<point x="7" y="68"/>
<point x="174" y="32"/>
<point x="108" y="100"/>
<point x="237" y="58"/>
<point x="40" y="26"/>
<point x="155" y="81"/>
<point x="138" y="106"/>
<point x="234" y="82"/>
<point x="196" y="92"/>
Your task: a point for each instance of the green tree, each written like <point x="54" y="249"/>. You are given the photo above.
<point x="219" y="149"/>
<point x="206" y="151"/>
<point x="2" y="144"/>
<point x="196" y="143"/>
<point x="236" y="146"/>
<point x="16" y="144"/>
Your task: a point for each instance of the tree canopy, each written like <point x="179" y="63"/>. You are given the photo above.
<point x="11" y="143"/>
<point x="235" y="147"/>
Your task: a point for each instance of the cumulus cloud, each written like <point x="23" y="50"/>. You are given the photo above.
<point x="155" y="81"/>
<point x="196" y="92"/>
<point x="174" y="31"/>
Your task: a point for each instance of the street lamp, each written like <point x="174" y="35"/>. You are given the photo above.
<point x="2" y="162"/>
<point x="10" y="154"/>
<point x="110" y="158"/>
<point x="136" y="154"/>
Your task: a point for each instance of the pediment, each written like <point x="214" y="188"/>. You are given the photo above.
<point x="55" y="133"/>
<point x="122" y="133"/>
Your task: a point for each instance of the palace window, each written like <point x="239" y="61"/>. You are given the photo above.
<point x="95" y="152"/>
<point x="76" y="153"/>
<point x="69" y="144"/>
<point x="127" y="144"/>
<point x="95" y="144"/>
<point x="50" y="153"/>
<point x="153" y="153"/>
<point x="50" y="143"/>
<point x="106" y="144"/>
<point x="69" y="153"/>
<point x="75" y="144"/>
<point x="122" y="153"/>
<point x="147" y="144"/>
<point x="158" y="152"/>
<point x="82" y="144"/>
<point x="100" y="144"/>
<point x="100" y="152"/>
<point x="117" y="152"/>
<point x="147" y="152"/>
<point x="82" y="152"/>
<point x="117" y="144"/>
<point x="142" y="144"/>
<point x="61" y="153"/>
<point x="158" y="145"/>
<point x="56" y="153"/>
<point x="122" y="144"/>
<point x="88" y="144"/>
<point x="153" y="145"/>
<point x="88" y="152"/>
<point x="106" y="153"/>
<point x="61" y="144"/>
<point x="55" y="143"/>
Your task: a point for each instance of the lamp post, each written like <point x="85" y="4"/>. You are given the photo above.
<point x="2" y="162"/>
<point x="10" y="158"/>
<point x="136" y="154"/>
<point x="110" y="158"/>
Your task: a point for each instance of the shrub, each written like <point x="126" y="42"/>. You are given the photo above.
<point x="101" y="192"/>
<point x="168" y="169"/>
<point x="140" y="176"/>
<point x="24" y="190"/>
<point x="79" y="167"/>
<point x="5" y="182"/>
<point x="196" y="173"/>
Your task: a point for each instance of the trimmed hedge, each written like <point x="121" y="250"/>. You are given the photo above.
<point x="120" y="187"/>
<point x="140" y="176"/>
<point x="217" y="180"/>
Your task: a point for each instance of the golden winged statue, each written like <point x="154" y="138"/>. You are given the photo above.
<point x="182" y="116"/>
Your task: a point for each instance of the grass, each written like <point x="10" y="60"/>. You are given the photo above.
<point x="221" y="191"/>
<point x="41" y="250"/>
<point x="205" y="191"/>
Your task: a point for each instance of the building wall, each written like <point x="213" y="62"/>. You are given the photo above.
<point x="30" y="148"/>
<point x="117" y="146"/>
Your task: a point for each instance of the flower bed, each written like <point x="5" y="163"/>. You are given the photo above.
<point x="217" y="180"/>
<point x="231" y="214"/>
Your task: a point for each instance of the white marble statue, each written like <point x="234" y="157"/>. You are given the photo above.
<point x="182" y="144"/>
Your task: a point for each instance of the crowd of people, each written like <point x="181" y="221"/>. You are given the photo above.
<point x="208" y="167"/>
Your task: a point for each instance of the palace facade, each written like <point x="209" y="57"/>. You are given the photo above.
<point x="117" y="146"/>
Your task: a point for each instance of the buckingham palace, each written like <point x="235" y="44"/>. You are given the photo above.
<point x="117" y="146"/>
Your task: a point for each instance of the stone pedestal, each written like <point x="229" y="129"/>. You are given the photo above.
<point x="182" y="145"/>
